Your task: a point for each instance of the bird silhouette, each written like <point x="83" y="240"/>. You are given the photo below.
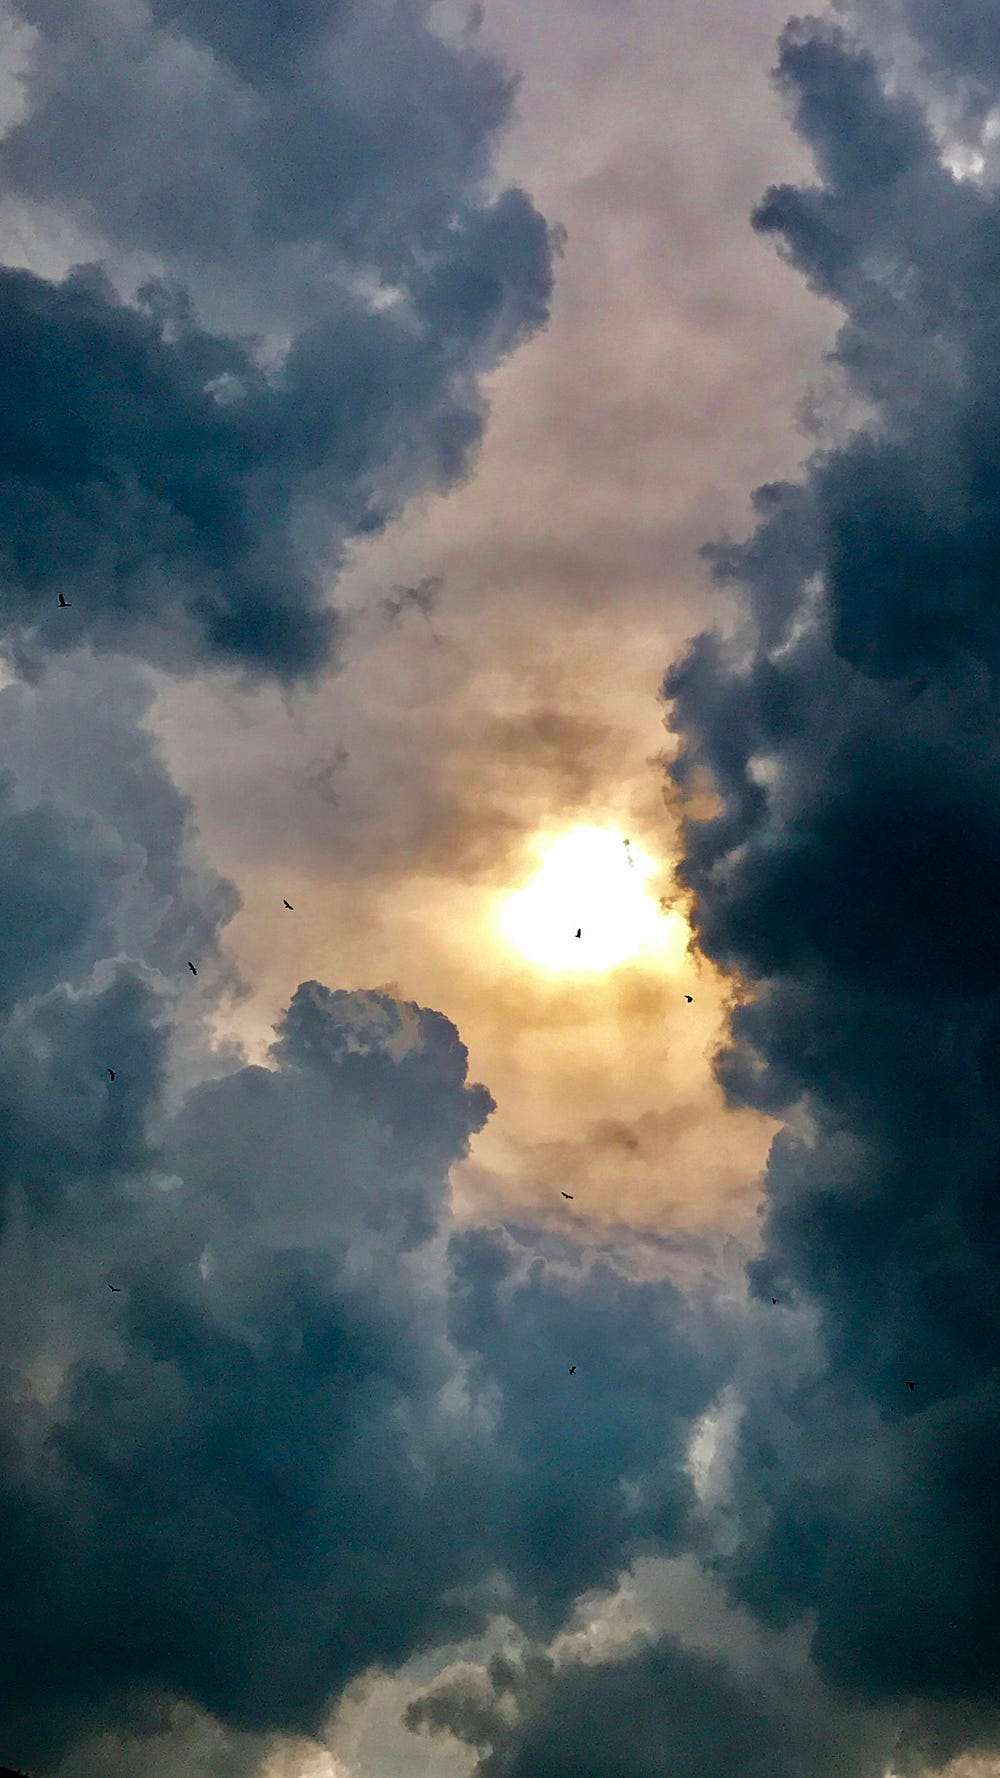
<point x="774" y="1299"/>
<point x="112" y="1073"/>
<point x="192" y="969"/>
<point x="579" y="932"/>
<point x="572" y="1370"/>
<point x="689" y="998"/>
<point x="289" y="906"/>
<point x="64" y="603"/>
<point x="568" y="1195"/>
<point x="911" y="1385"/>
<point x="115" y="1287"/>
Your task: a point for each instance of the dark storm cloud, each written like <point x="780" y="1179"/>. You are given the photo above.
<point x="152" y="473"/>
<point x="299" y="1440"/>
<point x="271" y="1483"/>
<point x="246" y="1469"/>
<point x="595" y="1462"/>
<point x="188" y="501"/>
<point x="851" y="877"/>
<point x="661" y="1709"/>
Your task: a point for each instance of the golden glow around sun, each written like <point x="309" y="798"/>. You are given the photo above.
<point x="595" y="882"/>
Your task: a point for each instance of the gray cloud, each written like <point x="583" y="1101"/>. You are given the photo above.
<point x="659" y="1709"/>
<point x="188" y="468"/>
<point x="196" y="1510"/>
<point x="82" y="760"/>
<point x="305" y="1423"/>
<point x="346" y="131"/>
<point x="850" y="876"/>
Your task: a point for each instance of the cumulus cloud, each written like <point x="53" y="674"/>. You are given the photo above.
<point x="188" y="464"/>
<point x="316" y="1429"/>
<point x="849" y="876"/>
<point x="658" y="1708"/>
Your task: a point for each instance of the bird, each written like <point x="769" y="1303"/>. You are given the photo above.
<point x="689" y="998"/>
<point x="115" y="1287"/>
<point x="112" y="1073"/>
<point x="579" y="932"/>
<point x="774" y="1299"/>
<point x="568" y="1195"/>
<point x="289" y="906"/>
<point x="192" y="969"/>
<point x="64" y="603"/>
<point x="911" y="1385"/>
<point x="572" y="1370"/>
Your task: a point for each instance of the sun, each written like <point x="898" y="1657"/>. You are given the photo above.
<point x="592" y="882"/>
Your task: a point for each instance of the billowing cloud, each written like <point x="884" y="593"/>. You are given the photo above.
<point x="620" y="1692"/>
<point x="849" y="875"/>
<point x="313" y="1428"/>
<point x="185" y="466"/>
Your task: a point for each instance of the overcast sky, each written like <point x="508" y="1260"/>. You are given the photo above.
<point x="431" y="436"/>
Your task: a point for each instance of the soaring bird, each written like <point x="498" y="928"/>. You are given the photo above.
<point x="911" y="1385"/>
<point x="112" y="1073"/>
<point x="579" y="932"/>
<point x="115" y="1287"/>
<point x="572" y="1370"/>
<point x="568" y="1195"/>
<point x="289" y="906"/>
<point x="192" y="969"/>
<point x="65" y="604"/>
<point x="689" y="998"/>
<point x="774" y="1299"/>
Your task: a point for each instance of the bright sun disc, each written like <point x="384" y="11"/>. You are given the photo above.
<point x="593" y="882"/>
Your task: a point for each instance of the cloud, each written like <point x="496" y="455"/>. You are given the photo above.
<point x="184" y="1459"/>
<point x="199" y="1527"/>
<point x="188" y="467"/>
<point x="592" y="1463"/>
<point x="849" y="876"/>
<point x="82" y="760"/>
<point x="351" y="133"/>
<point x="658" y="1708"/>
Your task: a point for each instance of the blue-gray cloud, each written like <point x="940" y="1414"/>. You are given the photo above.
<point x="653" y="1710"/>
<point x="850" y="876"/>
<point x="187" y="466"/>
<point x="313" y="1418"/>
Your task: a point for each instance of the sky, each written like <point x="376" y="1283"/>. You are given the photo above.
<point x="499" y="977"/>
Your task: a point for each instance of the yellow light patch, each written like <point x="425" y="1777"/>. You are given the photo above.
<point x="593" y="882"/>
